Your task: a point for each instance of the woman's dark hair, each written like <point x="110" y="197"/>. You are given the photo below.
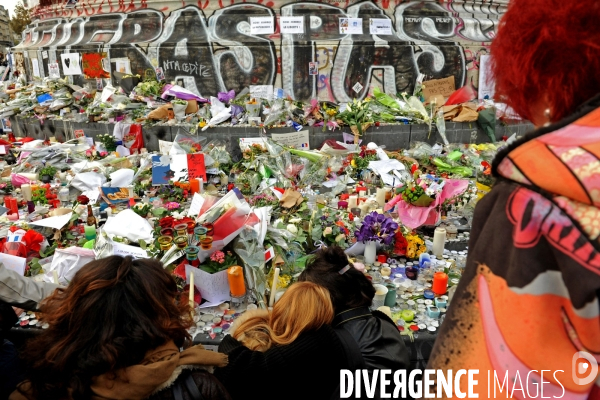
<point x="110" y="315"/>
<point x="348" y="290"/>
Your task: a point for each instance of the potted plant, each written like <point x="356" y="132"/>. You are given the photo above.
<point x="47" y="173"/>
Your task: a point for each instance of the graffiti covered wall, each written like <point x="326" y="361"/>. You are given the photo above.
<point x="208" y="44"/>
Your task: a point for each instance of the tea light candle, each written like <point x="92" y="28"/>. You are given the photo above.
<point x="352" y="202"/>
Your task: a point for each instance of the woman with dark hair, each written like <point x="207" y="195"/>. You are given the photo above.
<point x="375" y="335"/>
<point x="115" y="333"/>
<point x="528" y="299"/>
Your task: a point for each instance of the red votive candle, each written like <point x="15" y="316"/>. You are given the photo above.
<point x="342" y="205"/>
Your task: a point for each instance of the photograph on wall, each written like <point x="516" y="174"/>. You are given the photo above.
<point x="53" y="70"/>
<point x="95" y="66"/>
<point x="6" y="125"/>
<point x="20" y="63"/>
<point x="313" y="68"/>
<point x="70" y="3"/>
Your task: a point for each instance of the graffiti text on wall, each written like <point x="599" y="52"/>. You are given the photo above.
<point x="220" y="53"/>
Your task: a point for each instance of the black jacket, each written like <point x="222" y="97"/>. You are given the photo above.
<point x="377" y="337"/>
<point x="308" y="368"/>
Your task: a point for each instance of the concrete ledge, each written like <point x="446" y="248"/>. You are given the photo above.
<point x="394" y="137"/>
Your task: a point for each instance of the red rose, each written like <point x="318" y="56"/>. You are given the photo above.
<point x="400" y="244"/>
<point x="83" y="199"/>
<point x="166" y="222"/>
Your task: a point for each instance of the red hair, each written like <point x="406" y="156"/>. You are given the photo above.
<point x="547" y="50"/>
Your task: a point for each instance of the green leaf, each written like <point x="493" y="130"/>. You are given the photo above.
<point x="143" y="244"/>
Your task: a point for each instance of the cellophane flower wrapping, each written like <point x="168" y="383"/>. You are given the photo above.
<point x="185" y="143"/>
<point x="252" y="254"/>
<point x="414" y="217"/>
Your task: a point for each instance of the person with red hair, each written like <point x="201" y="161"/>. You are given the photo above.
<point x="526" y="308"/>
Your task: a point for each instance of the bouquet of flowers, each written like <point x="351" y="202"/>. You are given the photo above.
<point x="108" y="140"/>
<point x="219" y="261"/>
<point x="423" y="192"/>
<point x="358" y="116"/>
<point x="377" y="228"/>
<point x="330" y="229"/>
<point x="142" y="209"/>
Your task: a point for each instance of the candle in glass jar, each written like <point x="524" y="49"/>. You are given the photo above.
<point x="440" y="283"/>
<point x="235" y="276"/>
<point x="342" y="205"/>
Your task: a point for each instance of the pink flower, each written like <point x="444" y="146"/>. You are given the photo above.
<point x="172" y="205"/>
<point x="103" y="154"/>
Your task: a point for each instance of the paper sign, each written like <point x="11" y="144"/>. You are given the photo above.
<point x="79" y="133"/>
<point x="70" y="64"/>
<point x="261" y="91"/>
<point x="14" y="263"/>
<point x="352" y="26"/>
<point x="2" y="150"/>
<point x="196" y="205"/>
<point x="125" y="250"/>
<point x="313" y="68"/>
<point x="36" y="67"/>
<point x="262" y="25"/>
<point x="442" y="87"/>
<point x="291" y="24"/>
<point x="486" y="84"/>
<point x="196" y="167"/>
<point x="298" y="140"/>
<point x="164" y="147"/>
<point x="213" y="287"/>
<point x="45" y="54"/>
<point x="380" y="26"/>
<point x="93" y="195"/>
<point x="54" y="222"/>
<point x="245" y="143"/>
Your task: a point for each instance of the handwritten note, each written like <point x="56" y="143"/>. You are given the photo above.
<point x="13" y="263"/>
<point x="196" y="206"/>
<point x="213" y="287"/>
<point x="261" y="91"/>
<point x="486" y="82"/>
<point x="380" y="26"/>
<point x="298" y="140"/>
<point x="164" y="147"/>
<point x="438" y="87"/>
<point x="196" y="167"/>
<point x="125" y="250"/>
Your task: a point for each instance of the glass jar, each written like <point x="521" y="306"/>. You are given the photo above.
<point x="181" y="242"/>
<point x="165" y="242"/>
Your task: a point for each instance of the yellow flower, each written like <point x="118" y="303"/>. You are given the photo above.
<point x="353" y="163"/>
<point x="202" y="124"/>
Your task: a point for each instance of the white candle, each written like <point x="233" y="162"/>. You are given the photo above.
<point x="192" y="289"/>
<point x="31" y="177"/>
<point x="380" y="197"/>
<point x="200" y="186"/>
<point x="274" y="287"/>
<point x="55" y="276"/>
<point x="439" y="238"/>
<point x="26" y="190"/>
<point x="352" y="202"/>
